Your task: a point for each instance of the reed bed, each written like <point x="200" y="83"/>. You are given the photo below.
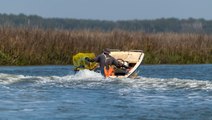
<point x="33" y="46"/>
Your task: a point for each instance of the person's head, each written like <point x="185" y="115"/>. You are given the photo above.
<point x="106" y="51"/>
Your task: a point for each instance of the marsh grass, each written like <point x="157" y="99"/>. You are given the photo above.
<point x="33" y="46"/>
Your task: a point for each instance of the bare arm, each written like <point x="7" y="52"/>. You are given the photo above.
<point x="92" y="59"/>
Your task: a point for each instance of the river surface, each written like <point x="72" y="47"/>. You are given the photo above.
<point x="163" y="92"/>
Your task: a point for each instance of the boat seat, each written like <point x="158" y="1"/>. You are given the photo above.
<point x="120" y="72"/>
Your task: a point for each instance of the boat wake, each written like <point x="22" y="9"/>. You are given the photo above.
<point x="90" y="79"/>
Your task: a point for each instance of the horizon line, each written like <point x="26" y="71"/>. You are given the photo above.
<point x="135" y="19"/>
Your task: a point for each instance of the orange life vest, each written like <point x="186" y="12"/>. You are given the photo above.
<point x="109" y="72"/>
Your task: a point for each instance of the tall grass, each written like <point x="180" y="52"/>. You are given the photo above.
<point x="31" y="46"/>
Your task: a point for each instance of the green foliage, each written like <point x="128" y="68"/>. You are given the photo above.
<point x="150" y="26"/>
<point x="4" y="59"/>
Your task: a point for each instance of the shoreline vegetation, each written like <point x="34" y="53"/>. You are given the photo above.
<point x="37" y="46"/>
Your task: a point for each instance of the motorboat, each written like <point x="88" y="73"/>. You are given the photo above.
<point x="131" y="58"/>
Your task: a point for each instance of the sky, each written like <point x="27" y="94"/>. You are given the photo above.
<point x="110" y="9"/>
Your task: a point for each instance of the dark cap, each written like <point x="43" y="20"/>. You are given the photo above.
<point x="106" y="51"/>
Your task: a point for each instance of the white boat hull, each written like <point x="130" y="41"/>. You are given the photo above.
<point x="134" y="58"/>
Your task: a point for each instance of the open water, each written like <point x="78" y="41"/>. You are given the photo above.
<point x="163" y="92"/>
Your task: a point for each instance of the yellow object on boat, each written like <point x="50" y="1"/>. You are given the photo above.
<point x="80" y="63"/>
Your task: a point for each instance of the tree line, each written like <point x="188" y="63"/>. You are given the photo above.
<point x="149" y="26"/>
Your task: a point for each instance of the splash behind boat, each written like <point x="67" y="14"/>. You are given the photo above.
<point x="132" y="59"/>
